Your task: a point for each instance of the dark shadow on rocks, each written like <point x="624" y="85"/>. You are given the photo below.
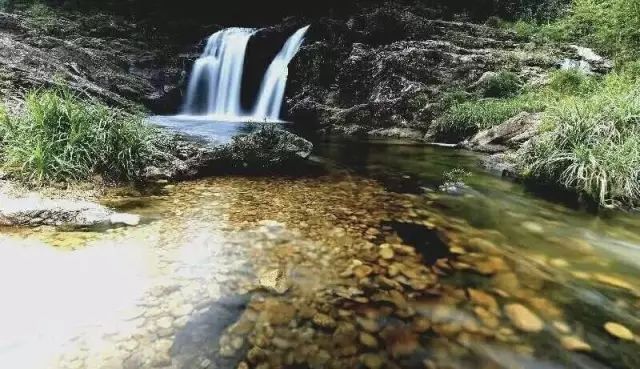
<point x="199" y="339"/>
<point x="427" y="242"/>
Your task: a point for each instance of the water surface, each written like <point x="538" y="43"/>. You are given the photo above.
<point x="364" y="263"/>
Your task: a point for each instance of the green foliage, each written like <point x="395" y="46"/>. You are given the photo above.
<point x="591" y="143"/>
<point x="456" y="175"/>
<point x="571" y="82"/>
<point x="63" y="138"/>
<point x="503" y="84"/>
<point x="610" y="26"/>
<point x="467" y="118"/>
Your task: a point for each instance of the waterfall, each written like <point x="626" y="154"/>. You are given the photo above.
<point x="275" y="80"/>
<point x="217" y="75"/>
<point x="214" y="88"/>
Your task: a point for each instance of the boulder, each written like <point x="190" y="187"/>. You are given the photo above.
<point x="265" y="149"/>
<point x="508" y="135"/>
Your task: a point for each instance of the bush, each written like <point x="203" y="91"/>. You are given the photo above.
<point x="591" y="143"/>
<point x="503" y="84"/>
<point x="61" y="138"/>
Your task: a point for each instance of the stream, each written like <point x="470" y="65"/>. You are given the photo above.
<point x="362" y="262"/>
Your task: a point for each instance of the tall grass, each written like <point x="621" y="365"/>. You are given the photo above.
<point x="465" y="118"/>
<point x="591" y="143"/>
<point x="469" y="117"/>
<point x="61" y="137"/>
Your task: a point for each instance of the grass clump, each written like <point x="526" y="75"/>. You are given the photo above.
<point x="591" y="143"/>
<point x="502" y="84"/>
<point x="466" y="118"/>
<point x="62" y="138"/>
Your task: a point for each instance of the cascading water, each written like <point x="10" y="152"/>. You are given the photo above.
<point x="217" y="75"/>
<point x="214" y="89"/>
<point x="275" y="80"/>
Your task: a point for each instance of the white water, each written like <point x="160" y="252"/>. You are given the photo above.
<point x="275" y="79"/>
<point x="214" y="90"/>
<point x="217" y="75"/>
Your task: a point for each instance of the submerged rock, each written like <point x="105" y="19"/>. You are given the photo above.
<point x="573" y="343"/>
<point x="619" y="331"/>
<point x="523" y="318"/>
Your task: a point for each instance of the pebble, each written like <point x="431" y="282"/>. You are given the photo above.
<point x="619" y="331"/>
<point x="368" y="340"/>
<point x="613" y="281"/>
<point x="523" y="318"/>
<point x="182" y="310"/>
<point x="372" y="361"/>
<point x="483" y="299"/>
<point x="324" y="320"/>
<point x="573" y="343"/>
<point x="387" y="253"/>
<point x="164" y="323"/>
<point x="369" y="325"/>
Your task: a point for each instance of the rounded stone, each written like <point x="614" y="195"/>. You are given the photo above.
<point x="523" y="318"/>
<point x="573" y="343"/>
<point x="368" y="340"/>
<point x="619" y="331"/>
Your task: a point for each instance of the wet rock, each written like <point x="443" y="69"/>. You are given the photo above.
<point x="573" y="343"/>
<point x="483" y="299"/>
<point x="619" y="331"/>
<point x="523" y="318"/>
<point x="324" y="321"/>
<point x="369" y="325"/>
<point x="386" y="253"/>
<point x="362" y="271"/>
<point x="277" y="312"/>
<point x="533" y="227"/>
<point x="613" y="281"/>
<point x="400" y="341"/>
<point x="274" y="281"/>
<point x="372" y="361"/>
<point x="368" y="340"/>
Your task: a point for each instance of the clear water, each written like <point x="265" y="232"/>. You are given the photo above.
<point x="191" y="287"/>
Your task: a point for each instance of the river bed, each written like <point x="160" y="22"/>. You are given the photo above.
<point x="361" y="262"/>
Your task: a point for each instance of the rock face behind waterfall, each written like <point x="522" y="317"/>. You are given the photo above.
<point x="99" y="55"/>
<point x="384" y="71"/>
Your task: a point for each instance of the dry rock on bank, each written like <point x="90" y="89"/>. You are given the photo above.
<point x="19" y="207"/>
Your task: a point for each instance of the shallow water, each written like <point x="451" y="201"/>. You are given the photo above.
<point x="363" y="263"/>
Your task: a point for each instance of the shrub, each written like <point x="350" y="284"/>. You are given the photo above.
<point x="61" y="138"/>
<point x="503" y="84"/>
<point x="591" y="144"/>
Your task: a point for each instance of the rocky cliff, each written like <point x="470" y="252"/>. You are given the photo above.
<point x="382" y="70"/>
<point x="386" y="70"/>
